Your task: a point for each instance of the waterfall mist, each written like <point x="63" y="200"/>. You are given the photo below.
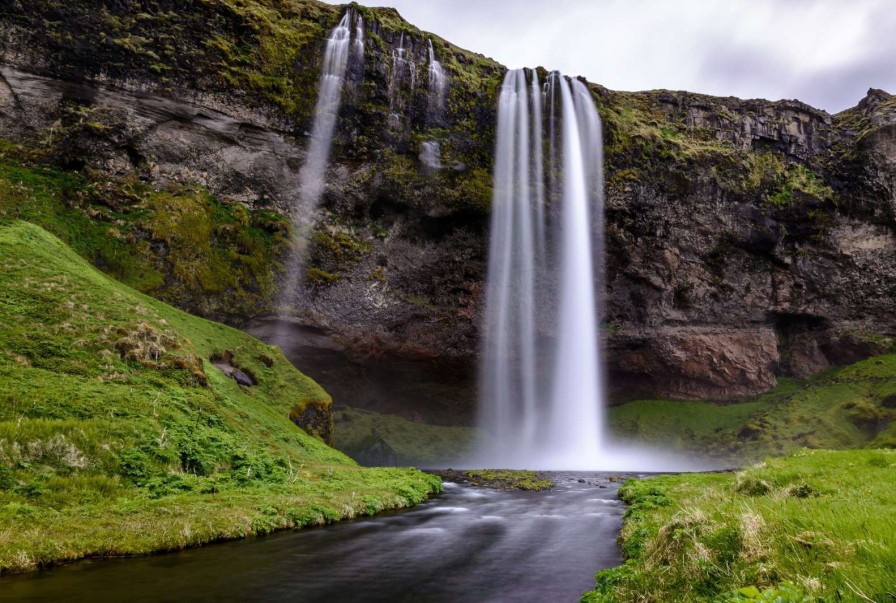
<point x="541" y="385"/>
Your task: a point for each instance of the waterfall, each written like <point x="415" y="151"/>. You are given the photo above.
<point x="311" y="176"/>
<point x="431" y="155"/>
<point x="541" y="389"/>
<point x="358" y="44"/>
<point x="326" y="111"/>
<point x="403" y="70"/>
<point x="438" y="84"/>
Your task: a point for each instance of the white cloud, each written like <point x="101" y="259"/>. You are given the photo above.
<point x="824" y="52"/>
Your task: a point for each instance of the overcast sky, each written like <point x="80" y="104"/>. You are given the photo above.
<point x="824" y="52"/>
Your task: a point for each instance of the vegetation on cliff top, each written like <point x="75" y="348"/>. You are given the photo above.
<point x="813" y="527"/>
<point x="120" y="434"/>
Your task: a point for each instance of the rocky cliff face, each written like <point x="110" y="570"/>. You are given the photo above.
<point x="745" y="239"/>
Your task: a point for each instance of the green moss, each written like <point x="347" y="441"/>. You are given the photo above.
<point x="315" y="276"/>
<point x="797" y="177"/>
<point x="182" y="245"/>
<point x="118" y="434"/>
<point x="502" y="479"/>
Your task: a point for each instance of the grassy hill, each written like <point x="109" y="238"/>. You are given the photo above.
<point x="118" y="435"/>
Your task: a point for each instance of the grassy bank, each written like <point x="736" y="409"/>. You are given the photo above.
<point x="118" y="434"/>
<point x="813" y="526"/>
<point x="847" y="407"/>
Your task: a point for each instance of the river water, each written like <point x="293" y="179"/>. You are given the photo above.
<point x="468" y="544"/>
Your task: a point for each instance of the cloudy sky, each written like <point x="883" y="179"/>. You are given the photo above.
<point x="824" y="52"/>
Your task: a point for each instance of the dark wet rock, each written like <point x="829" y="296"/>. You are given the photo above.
<point x="315" y="419"/>
<point x="375" y="452"/>
<point x="242" y="378"/>
<point x="224" y="362"/>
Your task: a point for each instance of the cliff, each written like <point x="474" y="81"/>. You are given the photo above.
<point x="746" y="238"/>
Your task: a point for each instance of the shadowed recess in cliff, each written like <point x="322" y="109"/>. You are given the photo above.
<point x="542" y="398"/>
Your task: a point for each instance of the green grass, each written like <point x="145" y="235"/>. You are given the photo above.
<point x="417" y="444"/>
<point x="848" y="407"/>
<point x="118" y="436"/>
<point x="813" y="526"/>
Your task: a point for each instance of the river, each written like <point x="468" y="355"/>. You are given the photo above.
<point x="468" y="544"/>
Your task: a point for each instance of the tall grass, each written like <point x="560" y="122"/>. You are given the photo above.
<point x="813" y="526"/>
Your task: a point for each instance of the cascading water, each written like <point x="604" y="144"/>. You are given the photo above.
<point x="542" y="397"/>
<point x="438" y="83"/>
<point x="311" y="175"/>
<point x="358" y="44"/>
<point x="404" y="71"/>
<point x="431" y="155"/>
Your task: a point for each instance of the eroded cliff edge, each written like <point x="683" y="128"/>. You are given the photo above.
<point x="746" y="238"/>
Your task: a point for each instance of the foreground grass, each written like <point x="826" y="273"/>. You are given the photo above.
<point x="813" y="526"/>
<point x="119" y="436"/>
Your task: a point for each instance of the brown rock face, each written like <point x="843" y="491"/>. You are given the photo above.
<point x="700" y="362"/>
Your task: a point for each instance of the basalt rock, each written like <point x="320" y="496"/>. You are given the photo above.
<point x="745" y="238"/>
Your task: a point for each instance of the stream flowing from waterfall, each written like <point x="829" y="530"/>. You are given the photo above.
<point x="469" y="544"/>
<point x="541" y="385"/>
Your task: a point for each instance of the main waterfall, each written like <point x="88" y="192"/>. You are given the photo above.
<point x="541" y="385"/>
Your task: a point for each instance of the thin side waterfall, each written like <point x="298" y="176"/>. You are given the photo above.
<point x="438" y="83"/>
<point x="358" y="44"/>
<point x="313" y="171"/>
<point x="311" y="176"/>
<point x="541" y="386"/>
<point x="404" y="73"/>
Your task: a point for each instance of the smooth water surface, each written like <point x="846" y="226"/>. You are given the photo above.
<point x="469" y="544"/>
